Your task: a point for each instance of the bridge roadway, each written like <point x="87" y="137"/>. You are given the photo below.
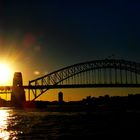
<point x="8" y="88"/>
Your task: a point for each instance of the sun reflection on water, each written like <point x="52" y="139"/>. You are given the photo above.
<point x="4" y="134"/>
<point x="7" y="121"/>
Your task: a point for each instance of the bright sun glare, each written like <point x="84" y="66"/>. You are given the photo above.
<point x="5" y="73"/>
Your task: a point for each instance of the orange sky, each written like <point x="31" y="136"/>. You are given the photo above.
<point x="78" y="94"/>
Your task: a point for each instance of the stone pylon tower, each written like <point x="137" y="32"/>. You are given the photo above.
<point x="18" y="93"/>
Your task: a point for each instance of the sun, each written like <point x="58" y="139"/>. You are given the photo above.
<point x="5" y="73"/>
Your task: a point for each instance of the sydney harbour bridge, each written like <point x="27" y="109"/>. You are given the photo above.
<point x="105" y="73"/>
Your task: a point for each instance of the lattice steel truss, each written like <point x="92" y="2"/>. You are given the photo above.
<point x="107" y="72"/>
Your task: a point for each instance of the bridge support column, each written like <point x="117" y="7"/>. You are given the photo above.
<point x="18" y="93"/>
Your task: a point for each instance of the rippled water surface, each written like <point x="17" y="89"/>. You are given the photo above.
<point x="38" y="124"/>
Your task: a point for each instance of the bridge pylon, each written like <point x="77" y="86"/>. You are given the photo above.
<point x="18" y="94"/>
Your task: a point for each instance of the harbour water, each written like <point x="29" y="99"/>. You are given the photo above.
<point x="29" y="124"/>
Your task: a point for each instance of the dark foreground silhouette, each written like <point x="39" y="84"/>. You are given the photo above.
<point x="101" y="103"/>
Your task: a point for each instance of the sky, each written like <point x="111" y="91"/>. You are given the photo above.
<point x="41" y="36"/>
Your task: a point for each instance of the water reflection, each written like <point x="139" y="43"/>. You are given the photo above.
<point x="7" y="121"/>
<point x="4" y="134"/>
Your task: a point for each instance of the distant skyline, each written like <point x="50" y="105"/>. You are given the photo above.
<point x="40" y="36"/>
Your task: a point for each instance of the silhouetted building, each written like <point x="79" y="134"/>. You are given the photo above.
<point x="60" y="97"/>
<point x="18" y="93"/>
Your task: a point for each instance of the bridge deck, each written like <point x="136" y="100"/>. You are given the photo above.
<point x="74" y="86"/>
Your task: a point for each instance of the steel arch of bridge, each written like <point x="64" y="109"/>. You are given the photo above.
<point x="97" y="73"/>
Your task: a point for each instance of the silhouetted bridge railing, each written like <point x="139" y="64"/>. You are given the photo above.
<point x="98" y="73"/>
